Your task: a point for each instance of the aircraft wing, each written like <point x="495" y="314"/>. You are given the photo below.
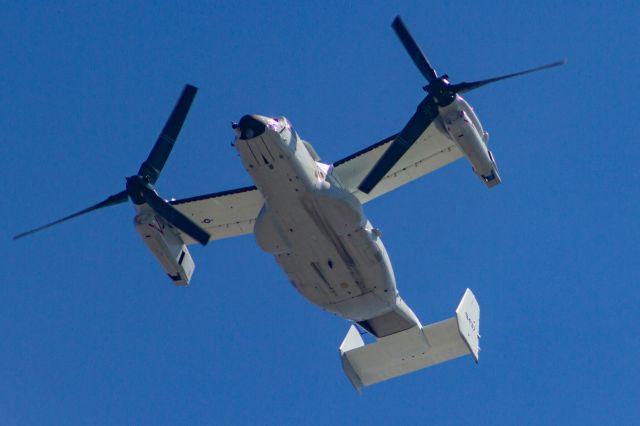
<point x="433" y="150"/>
<point x="222" y="214"/>
<point x="233" y="213"/>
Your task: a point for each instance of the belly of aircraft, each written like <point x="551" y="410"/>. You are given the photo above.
<point x="347" y="273"/>
<point x="318" y="234"/>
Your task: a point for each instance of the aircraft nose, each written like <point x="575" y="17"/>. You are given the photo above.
<point x="252" y="126"/>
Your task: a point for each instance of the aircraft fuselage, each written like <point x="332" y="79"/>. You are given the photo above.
<point x="317" y="231"/>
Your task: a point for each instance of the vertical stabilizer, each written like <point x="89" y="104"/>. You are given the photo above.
<point x="468" y="316"/>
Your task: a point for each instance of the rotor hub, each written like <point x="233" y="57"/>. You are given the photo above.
<point x="441" y="91"/>
<point x="135" y="186"/>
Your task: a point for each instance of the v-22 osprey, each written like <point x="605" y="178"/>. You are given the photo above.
<point x="309" y="215"/>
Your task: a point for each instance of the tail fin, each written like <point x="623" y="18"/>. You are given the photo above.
<point x="413" y="349"/>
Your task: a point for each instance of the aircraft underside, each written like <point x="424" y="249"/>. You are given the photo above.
<point x="320" y="237"/>
<point x="309" y="215"/>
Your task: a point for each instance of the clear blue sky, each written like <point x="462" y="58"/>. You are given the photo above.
<point x="92" y="332"/>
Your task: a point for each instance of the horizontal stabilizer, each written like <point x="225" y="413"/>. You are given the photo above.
<point x="413" y="349"/>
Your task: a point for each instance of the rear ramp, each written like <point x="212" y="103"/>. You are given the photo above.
<point x="413" y="349"/>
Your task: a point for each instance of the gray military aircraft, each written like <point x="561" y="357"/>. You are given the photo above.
<point x="309" y="215"/>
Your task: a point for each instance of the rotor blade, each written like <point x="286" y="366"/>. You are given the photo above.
<point x="467" y="87"/>
<point x="151" y="168"/>
<point x="414" y="50"/>
<point x="120" y="197"/>
<point x="174" y="217"/>
<point x="423" y="117"/>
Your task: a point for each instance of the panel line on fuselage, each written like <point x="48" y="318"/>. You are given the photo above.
<point x="255" y="158"/>
<point x="266" y="147"/>
<point x="318" y="270"/>
<point x="334" y="239"/>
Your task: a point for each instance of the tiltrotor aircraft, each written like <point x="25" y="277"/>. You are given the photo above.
<point x="309" y="215"/>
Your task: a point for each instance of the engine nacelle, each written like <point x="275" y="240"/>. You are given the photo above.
<point x="474" y="146"/>
<point x="166" y="245"/>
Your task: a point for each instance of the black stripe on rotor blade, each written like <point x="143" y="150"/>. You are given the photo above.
<point x="423" y="117"/>
<point x="175" y="217"/>
<point x="118" y="198"/>
<point x="414" y="50"/>
<point x="154" y="164"/>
